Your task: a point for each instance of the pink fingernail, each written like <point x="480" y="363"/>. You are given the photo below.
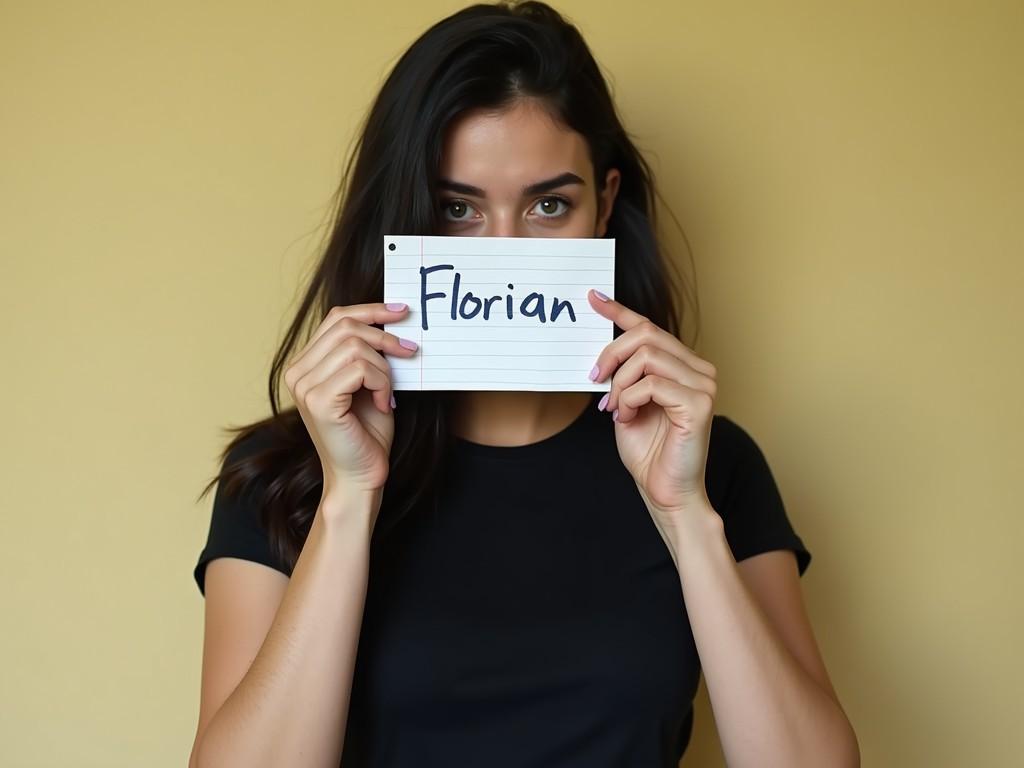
<point x="396" y="306"/>
<point x="393" y="403"/>
<point x="604" y="401"/>
<point x="600" y="295"/>
<point x="593" y="372"/>
<point x="615" y="415"/>
<point x="407" y="343"/>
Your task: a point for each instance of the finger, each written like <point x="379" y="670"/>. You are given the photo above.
<point x="648" y="359"/>
<point x="681" y="403"/>
<point x="365" y="313"/>
<point x="618" y="313"/>
<point x="346" y="353"/>
<point x="619" y="350"/>
<point x="342" y="328"/>
<point x="335" y="393"/>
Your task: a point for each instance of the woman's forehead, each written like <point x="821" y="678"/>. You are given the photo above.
<point x="511" y="149"/>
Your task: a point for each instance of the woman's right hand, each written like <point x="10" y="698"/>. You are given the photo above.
<point x="341" y="385"/>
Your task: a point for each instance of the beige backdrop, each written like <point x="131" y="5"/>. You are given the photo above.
<point x="849" y="179"/>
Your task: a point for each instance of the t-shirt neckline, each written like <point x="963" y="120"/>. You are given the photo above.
<point x="552" y="445"/>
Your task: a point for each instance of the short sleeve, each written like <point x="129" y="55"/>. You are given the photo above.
<point x="235" y="528"/>
<point x="743" y="491"/>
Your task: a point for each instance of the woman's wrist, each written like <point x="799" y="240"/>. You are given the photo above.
<point x="341" y="508"/>
<point x="698" y="527"/>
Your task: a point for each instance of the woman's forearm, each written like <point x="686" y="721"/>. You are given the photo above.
<point x="291" y="707"/>
<point x="768" y="710"/>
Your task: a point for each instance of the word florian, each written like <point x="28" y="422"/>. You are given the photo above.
<point x="470" y="306"/>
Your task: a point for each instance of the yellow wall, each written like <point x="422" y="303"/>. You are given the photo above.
<point x="850" y="180"/>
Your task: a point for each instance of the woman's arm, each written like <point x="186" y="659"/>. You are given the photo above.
<point x="770" y="694"/>
<point x="291" y="706"/>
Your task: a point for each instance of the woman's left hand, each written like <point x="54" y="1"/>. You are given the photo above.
<point x="662" y="397"/>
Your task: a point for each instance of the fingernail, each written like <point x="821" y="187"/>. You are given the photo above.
<point x="407" y="343"/>
<point x="600" y="295"/>
<point x="615" y="415"/>
<point x="593" y="372"/>
<point x="393" y="403"/>
<point x="396" y="306"/>
<point x="604" y="401"/>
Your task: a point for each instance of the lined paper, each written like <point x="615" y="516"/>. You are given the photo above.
<point x="553" y="337"/>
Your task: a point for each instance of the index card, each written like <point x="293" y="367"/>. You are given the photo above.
<point x="499" y="313"/>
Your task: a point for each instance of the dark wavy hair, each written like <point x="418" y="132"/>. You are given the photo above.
<point x="484" y="56"/>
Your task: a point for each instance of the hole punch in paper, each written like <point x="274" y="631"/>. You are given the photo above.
<point x="492" y="313"/>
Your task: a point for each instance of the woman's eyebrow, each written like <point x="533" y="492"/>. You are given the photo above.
<point x="541" y="186"/>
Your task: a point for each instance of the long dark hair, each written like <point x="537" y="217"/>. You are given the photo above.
<point x="484" y="56"/>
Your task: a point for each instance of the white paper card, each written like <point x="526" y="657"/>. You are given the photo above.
<point x="492" y="313"/>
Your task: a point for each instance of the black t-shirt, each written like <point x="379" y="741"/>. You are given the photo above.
<point x="537" y="619"/>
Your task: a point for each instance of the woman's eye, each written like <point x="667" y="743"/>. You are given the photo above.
<point x="548" y="207"/>
<point x="457" y="208"/>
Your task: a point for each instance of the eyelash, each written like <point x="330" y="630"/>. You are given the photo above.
<point x="565" y="201"/>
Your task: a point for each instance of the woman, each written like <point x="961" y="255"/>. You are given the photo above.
<point x="473" y="578"/>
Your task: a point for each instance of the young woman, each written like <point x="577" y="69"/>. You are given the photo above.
<point x="500" y="578"/>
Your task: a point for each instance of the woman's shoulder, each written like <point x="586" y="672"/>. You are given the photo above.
<point x="742" y="489"/>
<point x="237" y="526"/>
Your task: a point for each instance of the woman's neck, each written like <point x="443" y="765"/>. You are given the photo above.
<point x="514" y="418"/>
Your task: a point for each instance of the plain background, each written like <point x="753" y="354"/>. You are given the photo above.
<point x="848" y="175"/>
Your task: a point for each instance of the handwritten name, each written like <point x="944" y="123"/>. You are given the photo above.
<point x="469" y="306"/>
